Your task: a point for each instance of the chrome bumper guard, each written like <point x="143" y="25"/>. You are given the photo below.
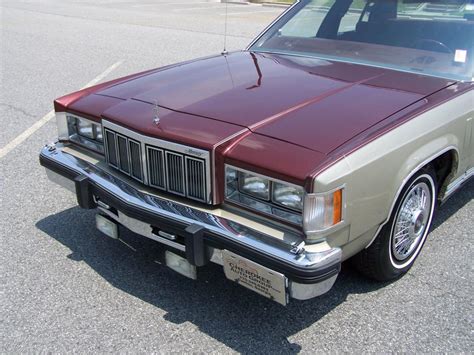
<point x="201" y="235"/>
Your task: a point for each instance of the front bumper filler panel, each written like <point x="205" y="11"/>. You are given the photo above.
<point x="202" y="235"/>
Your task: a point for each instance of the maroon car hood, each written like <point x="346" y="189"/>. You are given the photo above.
<point x="316" y="104"/>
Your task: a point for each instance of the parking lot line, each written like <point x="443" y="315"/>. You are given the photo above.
<point x="38" y="124"/>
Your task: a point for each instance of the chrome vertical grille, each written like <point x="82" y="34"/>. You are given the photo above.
<point x="164" y="165"/>
<point x="196" y="178"/>
<point x="111" y="148"/>
<point x="124" y="154"/>
<point x="124" y="164"/>
<point x="156" y="167"/>
<point x="136" y="159"/>
<point x="175" y="172"/>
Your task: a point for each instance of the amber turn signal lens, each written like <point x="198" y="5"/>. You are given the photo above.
<point x="337" y="207"/>
<point x="322" y="211"/>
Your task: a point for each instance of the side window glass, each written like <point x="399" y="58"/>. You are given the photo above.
<point x="352" y="17"/>
<point x="307" y="22"/>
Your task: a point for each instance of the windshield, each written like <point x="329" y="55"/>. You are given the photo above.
<point x="428" y="37"/>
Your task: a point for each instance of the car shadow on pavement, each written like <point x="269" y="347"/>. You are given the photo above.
<point x="233" y="315"/>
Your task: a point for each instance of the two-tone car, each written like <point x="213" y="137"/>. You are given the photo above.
<point x="336" y="134"/>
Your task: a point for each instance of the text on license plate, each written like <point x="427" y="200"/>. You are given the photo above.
<point x="256" y="277"/>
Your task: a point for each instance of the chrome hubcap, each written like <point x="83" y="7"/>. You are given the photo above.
<point x="412" y="221"/>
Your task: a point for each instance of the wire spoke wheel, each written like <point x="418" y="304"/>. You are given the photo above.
<point x="399" y="242"/>
<point x="412" y="221"/>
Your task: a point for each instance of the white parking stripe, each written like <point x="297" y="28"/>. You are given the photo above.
<point x="37" y="125"/>
<point x="103" y="75"/>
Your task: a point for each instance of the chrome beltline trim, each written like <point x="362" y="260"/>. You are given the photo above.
<point x="224" y="228"/>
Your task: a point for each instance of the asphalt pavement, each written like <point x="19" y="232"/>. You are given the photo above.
<point x="65" y="287"/>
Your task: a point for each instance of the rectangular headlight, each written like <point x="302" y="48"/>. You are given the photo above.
<point x="264" y="194"/>
<point x="85" y="128"/>
<point x="254" y="185"/>
<point x="323" y="211"/>
<point x="289" y="196"/>
<point x="80" y="131"/>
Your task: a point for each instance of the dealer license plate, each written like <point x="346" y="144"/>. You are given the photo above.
<point x="256" y="277"/>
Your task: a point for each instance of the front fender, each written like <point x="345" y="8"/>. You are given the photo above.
<point x="375" y="174"/>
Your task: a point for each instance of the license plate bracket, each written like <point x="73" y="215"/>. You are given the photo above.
<point x="258" y="278"/>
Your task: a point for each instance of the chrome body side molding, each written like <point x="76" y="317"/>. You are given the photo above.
<point x="456" y="184"/>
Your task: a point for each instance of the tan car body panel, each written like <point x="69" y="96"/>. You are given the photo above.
<point x="374" y="175"/>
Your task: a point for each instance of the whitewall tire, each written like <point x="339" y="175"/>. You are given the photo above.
<point x="400" y="241"/>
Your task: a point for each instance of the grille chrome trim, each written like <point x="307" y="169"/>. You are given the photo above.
<point x="112" y="140"/>
<point x="110" y="146"/>
<point x="135" y="171"/>
<point x="187" y="174"/>
<point x="175" y="173"/>
<point x="197" y="186"/>
<point x="123" y="154"/>
<point x="156" y="178"/>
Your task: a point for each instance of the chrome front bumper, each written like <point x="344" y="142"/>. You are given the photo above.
<point x="311" y="270"/>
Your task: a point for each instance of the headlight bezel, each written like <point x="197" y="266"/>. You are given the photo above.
<point x="68" y="129"/>
<point x="277" y="210"/>
<point x="267" y="207"/>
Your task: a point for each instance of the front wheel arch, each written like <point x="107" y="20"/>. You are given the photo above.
<point x="448" y="155"/>
<point x="378" y="261"/>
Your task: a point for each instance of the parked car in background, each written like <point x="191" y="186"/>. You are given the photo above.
<point x="335" y="134"/>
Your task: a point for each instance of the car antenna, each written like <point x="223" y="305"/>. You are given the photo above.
<point x="224" y="52"/>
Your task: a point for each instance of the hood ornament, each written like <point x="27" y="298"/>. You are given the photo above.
<point x="156" y="118"/>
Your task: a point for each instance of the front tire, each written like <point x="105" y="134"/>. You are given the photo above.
<point x="400" y="241"/>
